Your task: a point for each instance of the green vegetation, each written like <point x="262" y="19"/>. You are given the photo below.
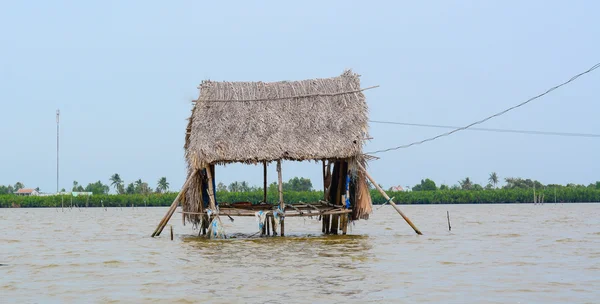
<point x="499" y="196"/>
<point x="139" y="193"/>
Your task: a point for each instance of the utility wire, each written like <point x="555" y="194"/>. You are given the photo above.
<point x="492" y="116"/>
<point x="489" y="129"/>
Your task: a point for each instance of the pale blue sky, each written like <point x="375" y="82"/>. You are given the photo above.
<point x="123" y="74"/>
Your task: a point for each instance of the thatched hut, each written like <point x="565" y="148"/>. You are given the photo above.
<point x="323" y="120"/>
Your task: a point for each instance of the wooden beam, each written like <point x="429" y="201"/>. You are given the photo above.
<point x="237" y="213"/>
<point x="391" y="201"/>
<point x="173" y="207"/>
<point x="281" y="203"/>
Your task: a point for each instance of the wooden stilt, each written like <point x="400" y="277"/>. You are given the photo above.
<point x="323" y="225"/>
<point x="390" y="200"/>
<point x="339" y="189"/>
<point x="334" y="224"/>
<point x="264" y="181"/>
<point x="173" y="207"/>
<point x="327" y="221"/>
<point x="204" y="224"/>
<point x="346" y="197"/>
<point x="281" y="203"/>
<point x="273" y="225"/>
<point x="211" y="192"/>
<point x="268" y="224"/>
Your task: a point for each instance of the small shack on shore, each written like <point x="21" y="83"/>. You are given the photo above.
<point x="259" y="123"/>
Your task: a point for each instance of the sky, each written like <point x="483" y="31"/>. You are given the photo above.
<point x="124" y="73"/>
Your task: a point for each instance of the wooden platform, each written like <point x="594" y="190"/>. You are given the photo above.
<point x="290" y="210"/>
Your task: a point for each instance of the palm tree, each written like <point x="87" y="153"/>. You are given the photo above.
<point x="163" y="185"/>
<point x="75" y="186"/>
<point x="116" y="182"/>
<point x="18" y="186"/>
<point x="466" y="184"/>
<point x="221" y="187"/>
<point x="234" y="187"/>
<point x="493" y="179"/>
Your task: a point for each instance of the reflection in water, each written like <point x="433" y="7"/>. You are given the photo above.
<point x="495" y="253"/>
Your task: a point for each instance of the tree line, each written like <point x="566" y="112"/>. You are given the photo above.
<point x="162" y="186"/>
<point x="457" y="196"/>
<point x="493" y="180"/>
<point x="136" y="187"/>
<point x="301" y="189"/>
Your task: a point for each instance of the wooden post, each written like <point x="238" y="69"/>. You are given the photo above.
<point x="323" y="225"/>
<point x="273" y="224"/>
<point x="204" y="223"/>
<point x="173" y="207"/>
<point x="265" y="181"/>
<point x="345" y="217"/>
<point x="211" y="193"/>
<point x="341" y="177"/>
<point x="388" y="198"/>
<point x="268" y="224"/>
<point x="281" y="203"/>
<point x="448" y="214"/>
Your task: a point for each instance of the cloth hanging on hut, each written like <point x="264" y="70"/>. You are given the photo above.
<point x="215" y="228"/>
<point x="278" y="216"/>
<point x="261" y="218"/>
<point x="346" y="194"/>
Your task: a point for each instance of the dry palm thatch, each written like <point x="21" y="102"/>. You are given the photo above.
<point x="252" y="122"/>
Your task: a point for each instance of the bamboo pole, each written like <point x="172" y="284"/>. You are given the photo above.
<point x="204" y="223"/>
<point x="324" y="195"/>
<point x="408" y="221"/>
<point x="173" y="207"/>
<point x="281" y="204"/>
<point x="265" y="181"/>
<point x="335" y="219"/>
<point x="211" y="192"/>
<point x="346" y="197"/>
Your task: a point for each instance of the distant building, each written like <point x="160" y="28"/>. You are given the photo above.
<point x="27" y="192"/>
<point x="75" y="194"/>
<point x="397" y="188"/>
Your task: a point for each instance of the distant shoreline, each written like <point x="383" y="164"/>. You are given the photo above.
<point x="450" y="197"/>
<point x="378" y="205"/>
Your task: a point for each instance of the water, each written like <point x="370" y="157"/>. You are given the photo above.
<point x="494" y="254"/>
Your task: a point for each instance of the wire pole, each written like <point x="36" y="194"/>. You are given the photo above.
<point x="57" y="147"/>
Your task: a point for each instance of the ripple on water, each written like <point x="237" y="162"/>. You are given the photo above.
<point x="494" y="259"/>
<point x="503" y="235"/>
<point x="569" y="240"/>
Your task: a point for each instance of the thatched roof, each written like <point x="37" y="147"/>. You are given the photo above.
<point x="252" y="122"/>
